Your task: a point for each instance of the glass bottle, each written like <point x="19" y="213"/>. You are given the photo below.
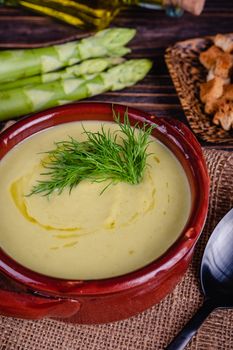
<point x="97" y="14"/>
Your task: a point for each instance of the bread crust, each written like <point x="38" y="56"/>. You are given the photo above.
<point x="208" y="58"/>
<point x="225" y="42"/>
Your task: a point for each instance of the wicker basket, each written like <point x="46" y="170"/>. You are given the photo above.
<point x="187" y="74"/>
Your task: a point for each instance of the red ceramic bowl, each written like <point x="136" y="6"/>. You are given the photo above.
<point x="112" y="299"/>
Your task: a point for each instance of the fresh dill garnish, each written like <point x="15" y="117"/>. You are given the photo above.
<point x="118" y="156"/>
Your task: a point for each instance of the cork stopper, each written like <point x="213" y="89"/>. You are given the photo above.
<point x="193" y="6"/>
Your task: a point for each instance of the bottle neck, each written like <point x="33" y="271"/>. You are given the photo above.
<point x="193" y="6"/>
<point x="153" y="4"/>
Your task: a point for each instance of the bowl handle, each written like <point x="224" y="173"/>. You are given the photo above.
<point x="31" y="306"/>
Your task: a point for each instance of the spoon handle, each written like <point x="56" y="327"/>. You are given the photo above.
<point x="186" y="334"/>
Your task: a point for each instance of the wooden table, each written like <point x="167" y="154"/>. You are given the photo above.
<point x="155" y="31"/>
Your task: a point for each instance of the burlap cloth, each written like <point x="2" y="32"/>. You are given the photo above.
<point x="154" y="328"/>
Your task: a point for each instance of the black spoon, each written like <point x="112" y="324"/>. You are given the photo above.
<point x="216" y="279"/>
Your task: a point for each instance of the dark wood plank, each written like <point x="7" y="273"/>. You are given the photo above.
<point x="155" y="31"/>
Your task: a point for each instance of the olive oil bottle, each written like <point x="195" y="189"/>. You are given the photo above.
<point x="97" y="14"/>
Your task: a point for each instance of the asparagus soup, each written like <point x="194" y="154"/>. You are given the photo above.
<point x="96" y="229"/>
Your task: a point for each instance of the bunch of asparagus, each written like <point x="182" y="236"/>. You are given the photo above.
<point x="36" y="79"/>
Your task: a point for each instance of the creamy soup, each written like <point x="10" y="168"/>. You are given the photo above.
<point x="87" y="234"/>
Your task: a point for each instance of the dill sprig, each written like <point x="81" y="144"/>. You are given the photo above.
<point x="118" y="156"/>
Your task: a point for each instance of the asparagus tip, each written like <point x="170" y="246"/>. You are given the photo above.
<point x="117" y="36"/>
<point x="128" y="73"/>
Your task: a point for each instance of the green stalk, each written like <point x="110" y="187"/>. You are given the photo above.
<point x="91" y="66"/>
<point x="18" y="102"/>
<point x="18" y="64"/>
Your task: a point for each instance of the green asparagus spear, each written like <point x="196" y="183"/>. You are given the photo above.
<point x="18" y="64"/>
<point x="18" y="102"/>
<point x="91" y="66"/>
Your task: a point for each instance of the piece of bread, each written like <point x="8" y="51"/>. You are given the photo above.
<point x="211" y="90"/>
<point x="208" y="58"/>
<point x="212" y="105"/>
<point x="224" y="42"/>
<point x="223" y="65"/>
<point x="224" y="115"/>
<point x="211" y="76"/>
<point x="228" y="92"/>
